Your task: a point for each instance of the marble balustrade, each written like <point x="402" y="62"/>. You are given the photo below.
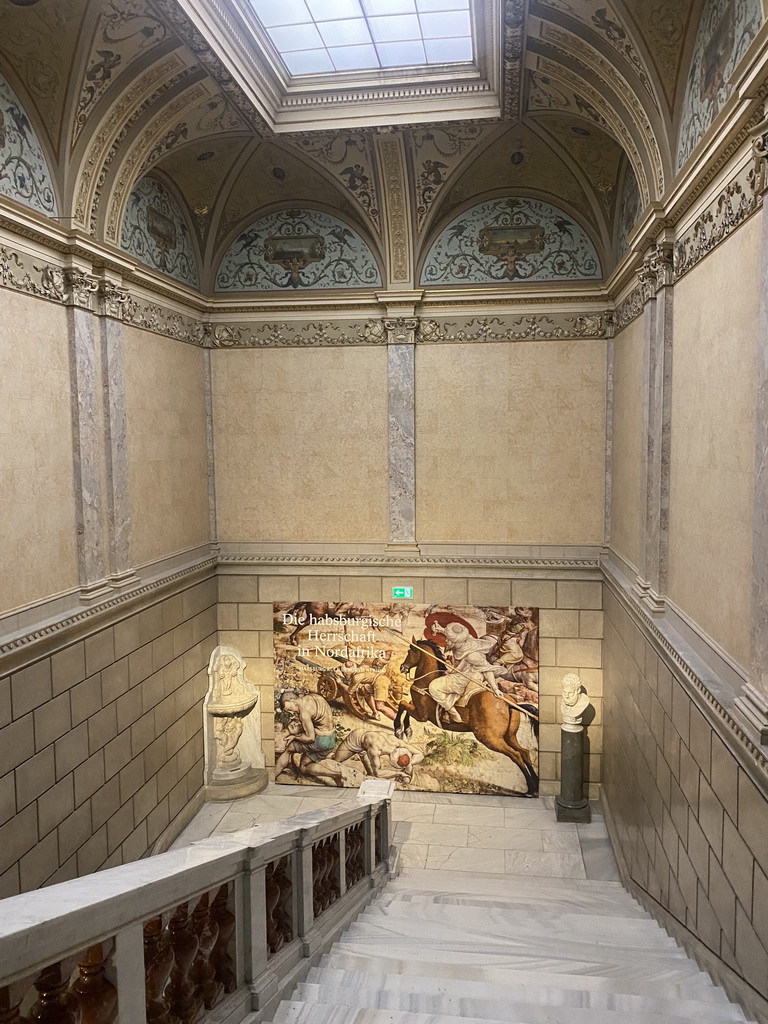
<point x="227" y="922"/>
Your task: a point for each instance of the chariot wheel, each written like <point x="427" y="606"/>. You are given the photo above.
<point x="327" y="687"/>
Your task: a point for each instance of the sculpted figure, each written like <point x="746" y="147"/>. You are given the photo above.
<point x="573" y="703"/>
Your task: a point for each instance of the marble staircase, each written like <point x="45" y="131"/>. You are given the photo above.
<point x="441" y="947"/>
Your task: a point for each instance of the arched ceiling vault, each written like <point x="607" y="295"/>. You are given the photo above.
<point x="118" y="89"/>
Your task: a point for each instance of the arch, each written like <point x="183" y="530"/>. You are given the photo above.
<point x="726" y="29"/>
<point x="156" y="232"/>
<point x="297" y="248"/>
<point x="628" y="209"/>
<point x="511" y="238"/>
<point x="25" y="174"/>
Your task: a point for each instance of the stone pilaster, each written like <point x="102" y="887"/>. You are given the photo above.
<point x="656" y="281"/>
<point x="87" y="436"/>
<point x="401" y="335"/>
<point x="120" y="563"/>
<point x="209" y="447"/>
<point x="391" y="151"/>
<point x="752" y="704"/>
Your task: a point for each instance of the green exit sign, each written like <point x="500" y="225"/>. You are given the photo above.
<point x="402" y="592"/>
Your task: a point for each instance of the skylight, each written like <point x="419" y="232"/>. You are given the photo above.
<point x="315" y="36"/>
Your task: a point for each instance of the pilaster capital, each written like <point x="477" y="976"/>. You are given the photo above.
<point x="111" y="299"/>
<point x="760" y="156"/>
<point x="81" y="288"/>
<point x="401" y="330"/>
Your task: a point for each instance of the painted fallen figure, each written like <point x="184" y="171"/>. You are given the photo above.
<point x="382" y="754"/>
<point x="310" y="739"/>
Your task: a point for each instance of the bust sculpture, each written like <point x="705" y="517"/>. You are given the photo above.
<point x="574" y="703"/>
<point x="228" y="708"/>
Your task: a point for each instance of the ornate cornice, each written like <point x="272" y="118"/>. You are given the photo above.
<point x="514" y="20"/>
<point x="524" y="328"/>
<point x="412" y="562"/>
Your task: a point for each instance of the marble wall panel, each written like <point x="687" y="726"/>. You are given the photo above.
<point x="628" y="462"/>
<point x="713" y="440"/>
<point x="510" y="442"/>
<point x="300" y="443"/>
<point x="167" y="463"/>
<point x="39" y="539"/>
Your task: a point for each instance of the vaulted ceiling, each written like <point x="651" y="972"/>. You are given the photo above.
<point x="590" y="103"/>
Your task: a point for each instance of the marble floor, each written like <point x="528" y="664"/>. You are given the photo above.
<point x="490" y="834"/>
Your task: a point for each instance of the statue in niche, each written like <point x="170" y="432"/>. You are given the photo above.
<point x="230" y="700"/>
<point x="574" y="703"/>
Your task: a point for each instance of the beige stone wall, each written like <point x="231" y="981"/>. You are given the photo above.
<point x="713" y="440"/>
<point x="101" y="741"/>
<point x="168" y="472"/>
<point x="628" y="441"/>
<point x="510" y="442"/>
<point x="571" y="626"/>
<point x="689" y="818"/>
<point x="301" y="445"/>
<point x="39" y="533"/>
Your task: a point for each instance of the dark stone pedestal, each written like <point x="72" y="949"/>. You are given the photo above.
<point x="572" y="805"/>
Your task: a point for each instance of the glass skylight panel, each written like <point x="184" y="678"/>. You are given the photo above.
<point x="316" y="36"/>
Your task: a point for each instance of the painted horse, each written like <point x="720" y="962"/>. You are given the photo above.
<point x="493" y="721"/>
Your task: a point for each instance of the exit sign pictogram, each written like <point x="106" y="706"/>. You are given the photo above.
<point x="402" y="592"/>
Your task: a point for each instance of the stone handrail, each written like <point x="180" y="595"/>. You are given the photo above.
<point x="230" y="922"/>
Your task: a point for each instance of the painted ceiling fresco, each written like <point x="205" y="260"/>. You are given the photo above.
<point x="124" y="31"/>
<point x="297" y="249"/>
<point x="518" y="161"/>
<point x="155" y="232"/>
<point x="24" y="172"/>
<point x="725" y="31"/>
<point x="114" y="92"/>
<point x="511" y="239"/>
<point x="630" y="208"/>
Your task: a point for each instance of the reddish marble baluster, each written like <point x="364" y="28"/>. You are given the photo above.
<point x="97" y="996"/>
<point x="220" y="957"/>
<point x="9" y="1007"/>
<point x="279" y="889"/>
<point x="185" y="1004"/>
<point x="55" y="1004"/>
<point x="203" y="971"/>
<point x="158" y="963"/>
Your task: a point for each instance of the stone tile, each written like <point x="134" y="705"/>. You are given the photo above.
<point x="234" y="589"/>
<point x="117" y="754"/>
<point x="723" y="899"/>
<point x="584" y="653"/>
<point x="724" y="777"/>
<point x="698" y="848"/>
<point x="114" y="681"/>
<point x="6" y="714"/>
<point x="226" y="617"/>
<point x="599" y="861"/>
<point x="52" y="720"/>
<point x="591" y="625"/>
<point x="162" y="651"/>
<point x="752" y="819"/>
<point x="127" y="636"/>
<point x="31" y="687"/>
<point x="750" y="953"/>
<point x="681" y="708"/>
<point x="559" y="623"/>
<point x="270" y="588"/>
<point x="579" y="594"/>
<point x="451" y="814"/>
<point x="140" y="665"/>
<point x="157" y="821"/>
<point x="17" y="837"/>
<point x="700" y="741"/>
<point x="439" y="835"/>
<point x="7" y="798"/>
<point x="173" y="612"/>
<point x="102" y="727"/>
<point x="71" y="750"/>
<point x="85" y="699"/>
<point x="446" y="590"/>
<point x="99" y="651"/>
<point x="73" y="831"/>
<point x="485" y="592"/>
<point x="131" y="779"/>
<point x="104" y="802"/>
<point x="145" y="800"/>
<point x="89" y="776"/>
<point x="39" y="863"/>
<point x="318" y="588"/>
<point x="534" y="593"/>
<point x="35" y="776"/>
<point x="54" y="805"/>
<point x="119" y="826"/>
<point x="129" y="709"/>
<point x="151" y="623"/>
<point x="67" y="668"/>
<point x="447" y="858"/>
<point x="136" y="844"/>
<point x="92" y="853"/>
<point x="738" y="862"/>
<point x="253" y="616"/>
<point x="413" y="855"/>
<point x="528" y="840"/>
<point x="553" y="865"/>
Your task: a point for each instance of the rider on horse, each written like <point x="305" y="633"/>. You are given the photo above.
<point x="470" y="667"/>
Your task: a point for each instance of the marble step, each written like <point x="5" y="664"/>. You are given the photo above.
<point x="574" y="901"/>
<point x="489" y="883"/>
<point x="298" y="1012"/>
<point x="517" y="925"/>
<point x="631" y="965"/>
<point x="693" y="985"/>
<point x="508" y="1007"/>
<point x="473" y="996"/>
<point x="488" y="936"/>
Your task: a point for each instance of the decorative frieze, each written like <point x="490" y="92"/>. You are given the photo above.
<point x="737" y="201"/>
<point x="628" y="309"/>
<point x="523" y="328"/>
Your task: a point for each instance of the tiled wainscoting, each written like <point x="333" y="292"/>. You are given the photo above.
<point x="101" y="742"/>
<point x="571" y="627"/>
<point x="688" y="811"/>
